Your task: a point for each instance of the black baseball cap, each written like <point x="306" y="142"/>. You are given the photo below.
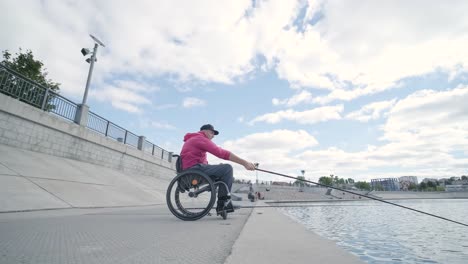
<point x="209" y="127"/>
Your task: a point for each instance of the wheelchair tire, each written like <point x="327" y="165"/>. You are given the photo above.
<point x="191" y="195"/>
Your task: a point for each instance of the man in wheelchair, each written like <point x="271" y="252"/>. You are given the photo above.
<point x="193" y="156"/>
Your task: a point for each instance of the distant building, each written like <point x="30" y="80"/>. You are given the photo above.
<point x="280" y="183"/>
<point x="412" y="179"/>
<point x="442" y="181"/>
<point x="456" y="188"/>
<point x="426" y="180"/>
<point x="386" y="184"/>
<point x="460" y="182"/>
<point x="406" y="181"/>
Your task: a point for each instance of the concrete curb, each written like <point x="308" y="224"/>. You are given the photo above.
<point x="269" y="236"/>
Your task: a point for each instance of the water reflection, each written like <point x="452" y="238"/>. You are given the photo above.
<point x="382" y="233"/>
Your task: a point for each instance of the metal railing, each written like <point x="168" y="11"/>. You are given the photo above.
<point x="18" y="86"/>
<point x="61" y="106"/>
<point x="27" y="91"/>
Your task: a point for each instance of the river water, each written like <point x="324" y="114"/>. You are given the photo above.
<point x="380" y="233"/>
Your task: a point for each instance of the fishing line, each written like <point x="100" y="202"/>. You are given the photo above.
<point x="372" y="198"/>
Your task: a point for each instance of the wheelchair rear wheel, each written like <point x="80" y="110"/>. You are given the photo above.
<point x="191" y="195"/>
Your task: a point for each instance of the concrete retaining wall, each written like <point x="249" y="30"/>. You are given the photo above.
<point x="24" y="126"/>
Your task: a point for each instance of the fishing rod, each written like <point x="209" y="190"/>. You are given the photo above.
<point x="373" y="198"/>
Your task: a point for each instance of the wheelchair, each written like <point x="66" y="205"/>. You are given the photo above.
<point x="192" y="194"/>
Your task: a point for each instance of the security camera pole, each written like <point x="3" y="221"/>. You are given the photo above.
<point x="97" y="42"/>
<point x="81" y="116"/>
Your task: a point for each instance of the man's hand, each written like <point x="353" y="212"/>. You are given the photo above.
<point x="246" y="164"/>
<point x="249" y="165"/>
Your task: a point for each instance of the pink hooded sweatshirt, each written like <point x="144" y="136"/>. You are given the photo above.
<point x="195" y="148"/>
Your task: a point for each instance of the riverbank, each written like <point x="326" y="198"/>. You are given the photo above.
<point x="310" y="194"/>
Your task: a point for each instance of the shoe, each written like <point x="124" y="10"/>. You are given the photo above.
<point x="229" y="207"/>
<point x="219" y="207"/>
<point x="225" y="203"/>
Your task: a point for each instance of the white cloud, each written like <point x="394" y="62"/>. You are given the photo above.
<point x="165" y="106"/>
<point x="272" y="150"/>
<point x="302" y="97"/>
<point x="275" y="140"/>
<point x="124" y="95"/>
<point x="162" y="125"/>
<point x="353" y="50"/>
<point x="435" y="120"/>
<point x="424" y="135"/>
<point x="190" y="102"/>
<point x="312" y="116"/>
<point x="371" y="111"/>
<point x="184" y="89"/>
<point x="378" y="45"/>
<point x="136" y="86"/>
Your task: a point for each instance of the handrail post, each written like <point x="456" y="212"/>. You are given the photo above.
<point x="125" y="139"/>
<point x="44" y="101"/>
<point x="81" y="116"/>
<point x="107" y="127"/>
<point x="141" y="142"/>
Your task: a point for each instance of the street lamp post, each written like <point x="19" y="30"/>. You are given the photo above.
<point x="303" y="172"/>
<point x="256" y="171"/>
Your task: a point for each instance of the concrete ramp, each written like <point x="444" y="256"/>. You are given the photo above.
<point x="33" y="181"/>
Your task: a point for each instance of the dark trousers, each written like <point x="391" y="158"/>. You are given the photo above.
<point x="222" y="171"/>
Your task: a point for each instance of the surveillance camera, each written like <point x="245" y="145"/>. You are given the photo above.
<point x="85" y="51"/>
<point x="88" y="60"/>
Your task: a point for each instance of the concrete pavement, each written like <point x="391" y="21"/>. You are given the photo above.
<point x="116" y="235"/>
<point x="151" y="234"/>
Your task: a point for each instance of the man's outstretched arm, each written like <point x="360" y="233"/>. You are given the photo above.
<point x="248" y="165"/>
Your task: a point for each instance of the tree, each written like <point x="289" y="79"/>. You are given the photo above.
<point x="464" y="177"/>
<point x="412" y="186"/>
<point x="379" y="187"/>
<point x="422" y="186"/>
<point x="431" y="184"/>
<point x="362" y="185"/>
<point x="326" y="180"/>
<point x="25" y="64"/>
<point x="299" y="181"/>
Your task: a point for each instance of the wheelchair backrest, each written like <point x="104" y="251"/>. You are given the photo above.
<point x="178" y="164"/>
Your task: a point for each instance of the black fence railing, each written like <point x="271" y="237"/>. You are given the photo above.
<point x="61" y="106"/>
<point x="16" y="85"/>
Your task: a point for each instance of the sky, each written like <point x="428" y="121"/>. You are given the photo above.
<point x="358" y="89"/>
